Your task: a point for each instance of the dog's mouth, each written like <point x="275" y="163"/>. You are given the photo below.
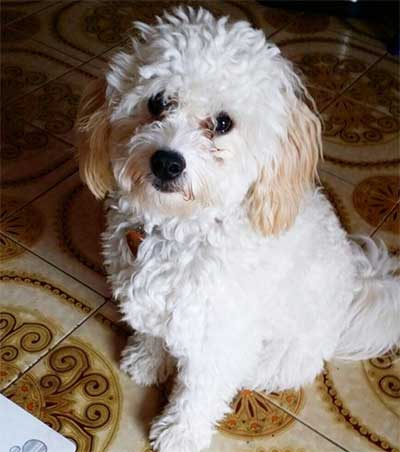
<point x="166" y="186"/>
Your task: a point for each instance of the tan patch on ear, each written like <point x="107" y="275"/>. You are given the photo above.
<point x="275" y="198"/>
<point x="93" y="136"/>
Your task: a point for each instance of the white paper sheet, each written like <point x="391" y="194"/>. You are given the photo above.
<point x="22" y="432"/>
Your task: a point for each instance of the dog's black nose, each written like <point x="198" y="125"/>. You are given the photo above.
<point x="167" y="165"/>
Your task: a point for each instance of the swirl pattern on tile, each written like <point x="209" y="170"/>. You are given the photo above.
<point x="358" y="124"/>
<point x="337" y="406"/>
<point x="383" y="375"/>
<point x="76" y="394"/>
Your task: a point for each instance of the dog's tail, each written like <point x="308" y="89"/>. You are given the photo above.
<point x="373" y="322"/>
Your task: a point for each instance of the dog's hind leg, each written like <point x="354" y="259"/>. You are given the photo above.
<point x="146" y="360"/>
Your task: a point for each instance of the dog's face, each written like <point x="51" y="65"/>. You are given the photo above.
<point x="203" y="113"/>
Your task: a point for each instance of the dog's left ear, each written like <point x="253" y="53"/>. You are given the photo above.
<point x="275" y="197"/>
<point x="93" y="131"/>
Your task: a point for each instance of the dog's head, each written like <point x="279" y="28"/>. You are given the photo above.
<point x="201" y="113"/>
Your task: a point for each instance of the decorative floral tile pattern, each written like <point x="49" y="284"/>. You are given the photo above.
<point x="28" y="65"/>
<point x="356" y="404"/>
<point x="53" y="107"/>
<point x="343" y="196"/>
<point x="73" y="382"/>
<point x="32" y="160"/>
<point x="380" y="88"/>
<point x="326" y="60"/>
<point x="39" y="306"/>
<point x="68" y="223"/>
<point x="77" y="379"/>
<point x="84" y="29"/>
<point x="389" y="232"/>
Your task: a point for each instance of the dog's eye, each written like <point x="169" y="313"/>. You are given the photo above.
<point x="223" y="123"/>
<point x="158" y="104"/>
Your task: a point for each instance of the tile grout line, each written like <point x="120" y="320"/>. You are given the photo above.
<point x="31" y="14"/>
<point x="73" y="68"/>
<point x="384" y="219"/>
<point x="349" y="184"/>
<point x="306" y="424"/>
<point x="71" y="145"/>
<point x="285" y="26"/>
<point x="39" y="195"/>
<point x="344" y="90"/>
<point x="54" y="346"/>
<point x="53" y="265"/>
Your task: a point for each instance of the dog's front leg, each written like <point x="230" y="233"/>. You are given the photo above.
<point x="146" y="360"/>
<point x="200" y="398"/>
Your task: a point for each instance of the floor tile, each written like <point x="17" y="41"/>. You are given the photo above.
<point x="81" y="375"/>
<point x="356" y="404"/>
<point x="326" y="60"/>
<point x="270" y="20"/>
<point x="81" y="29"/>
<point x="358" y="30"/>
<point x="69" y="223"/>
<point x="84" y="29"/>
<point x="28" y="65"/>
<point x="359" y="139"/>
<point x="389" y="231"/>
<point x="40" y="306"/>
<point x="375" y="33"/>
<point x="53" y="107"/>
<point x="356" y="217"/>
<point x="380" y="88"/>
<point x="32" y="160"/>
<point x="13" y="10"/>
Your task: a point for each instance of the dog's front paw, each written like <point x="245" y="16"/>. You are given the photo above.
<point x="145" y="367"/>
<point x="178" y="437"/>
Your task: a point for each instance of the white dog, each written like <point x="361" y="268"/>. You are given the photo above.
<point x="244" y="277"/>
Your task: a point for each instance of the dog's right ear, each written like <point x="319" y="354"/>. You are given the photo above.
<point x="93" y="130"/>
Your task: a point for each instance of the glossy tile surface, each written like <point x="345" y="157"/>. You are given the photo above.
<point x="39" y="307"/>
<point x="61" y="340"/>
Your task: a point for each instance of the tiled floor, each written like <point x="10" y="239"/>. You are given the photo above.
<point x="59" y="333"/>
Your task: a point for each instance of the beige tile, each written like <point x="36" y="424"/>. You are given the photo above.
<point x="40" y="306"/>
<point x="79" y="390"/>
<point x="32" y="160"/>
<point x="53" y="107"/>
<point x="28" y="65"/>
<point x="389" y="231"/>
<point x="327" y="61"/>
<point x="124" y="410"/>
<point x="80" y="29"/>
<point x="354" y="404"/>
<point x="380" y="88"/>
<point x="360" y="140"/>
<point x="71" y="221"/>
<point x="87" y="28"/>
<point x="354" y="215"/>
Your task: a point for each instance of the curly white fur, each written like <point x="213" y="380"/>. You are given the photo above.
<point x="245" y="276"/>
